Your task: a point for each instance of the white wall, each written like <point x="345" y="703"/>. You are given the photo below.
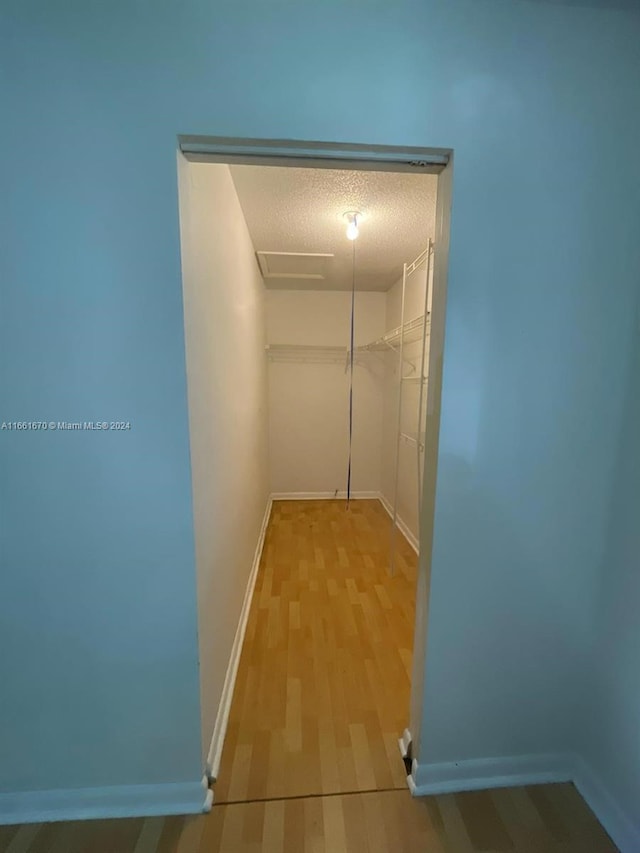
<point x="226" y="378"/>
<point x="308" y="402"/>
<point x="407" y="501"/>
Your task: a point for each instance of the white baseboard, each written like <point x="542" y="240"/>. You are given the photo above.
<point x="623" y="830"/>
<point x="478" y="774"/>
<point x="411" y="785"/>
<point x="222" y="717"/>
<point x="402" y="526"/>
<point x="117" y="801"/>
<point x="323" y="496"/>
<point x="404" y="743"/>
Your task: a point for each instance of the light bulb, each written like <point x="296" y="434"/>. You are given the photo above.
<point x="352" y="230"/>
<point x="351" y="217"/>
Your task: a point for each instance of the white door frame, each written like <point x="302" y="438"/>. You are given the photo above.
<point x="354" y="156"/>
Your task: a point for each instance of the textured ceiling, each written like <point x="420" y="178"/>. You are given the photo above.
<point x="300" y="210"/>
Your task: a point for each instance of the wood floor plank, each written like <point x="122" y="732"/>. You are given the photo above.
<point x="273" y="827"/>
<point x="232" y="827"/>
<point x="259" y="763"/>
<point x="313" y="826"/>
<point x="550" y="814"/>
<point x="44" y="838"/>
<point x="583" y="825"/>
<point x="66" y="838"/>
<point x="375" y="824"/>
<point x="528" y="837"/>
<point x="335" y="838"/>
<point x="105" y="836"/>
<point x="150" y="834"/>
<point x="239" y="785"/>
<point x="170" y="836"/>
<point x="418" y="829"/>
<point x="455" y="832"/>
<point x="191" y="835"/>
<point x="21" y="841"/>
<point x="211" y="838"/>
<point x="294" y="826"/>
<point x="6" y="835"/>
<point x="354" y="817"/>
<point x="253" y="825"/>
<point x="482" y="821"/>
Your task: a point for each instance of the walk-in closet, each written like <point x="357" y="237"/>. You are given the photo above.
<point x="307" y="295"/>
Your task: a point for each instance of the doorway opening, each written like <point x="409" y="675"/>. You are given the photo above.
<point x="314" y="365"/>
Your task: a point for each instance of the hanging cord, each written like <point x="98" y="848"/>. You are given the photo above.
<point x="353" y="306"/>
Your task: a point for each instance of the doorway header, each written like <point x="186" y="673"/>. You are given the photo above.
<point x="318" y="155"/>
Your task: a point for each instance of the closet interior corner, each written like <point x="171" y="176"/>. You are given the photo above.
<point x="347" y="335"/>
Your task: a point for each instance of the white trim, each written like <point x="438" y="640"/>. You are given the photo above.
<point x="115" y="801"/>
<point x="328" y="155"/>
<point x="404" y="743"/>
<point x="411" y="785"/>
<point x="624" y="833"/>
<point x="323" y="496"/>
<point x="478" y="774"/>
<point x="402" y="525"/>
<point x="222" y="718"/>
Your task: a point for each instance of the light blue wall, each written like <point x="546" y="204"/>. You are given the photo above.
<point x="612" y="749"/>
<point x="541" y="102"/>
<point x="538" y="343"/>
<point x="98" y="660"/>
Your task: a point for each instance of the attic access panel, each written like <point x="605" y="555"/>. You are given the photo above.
<point x="294" y="264"/>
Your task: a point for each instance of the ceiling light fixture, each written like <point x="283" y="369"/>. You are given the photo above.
<point x="351" y="217"/>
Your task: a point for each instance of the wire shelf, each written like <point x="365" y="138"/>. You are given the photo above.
<point x="412" y="334"/>
<point x="413" y="439"/>
<point x="306" y="353"/>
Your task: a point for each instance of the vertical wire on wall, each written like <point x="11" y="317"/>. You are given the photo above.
<point x="351" y="347"/>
